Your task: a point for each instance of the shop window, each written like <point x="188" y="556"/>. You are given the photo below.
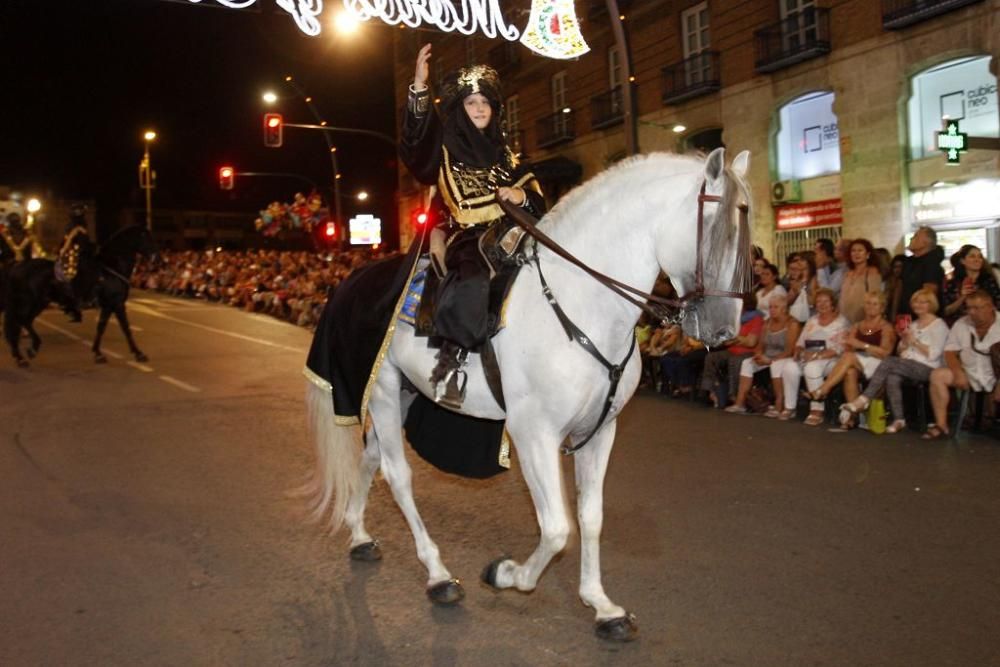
<point x="704" y="142"/>
<point x="808" y="138"/>
<point x="962" y="90"/>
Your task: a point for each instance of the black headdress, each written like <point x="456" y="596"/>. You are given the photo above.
<point x="464" y="141"/>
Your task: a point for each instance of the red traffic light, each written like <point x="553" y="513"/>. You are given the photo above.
<point x="274" y="126"/>
<point x="421" y="217"/>
<point x="330" y="230"/>
<point x="227" y="178"/>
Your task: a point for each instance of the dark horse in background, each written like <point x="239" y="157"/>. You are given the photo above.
<point x="31" y="285"/>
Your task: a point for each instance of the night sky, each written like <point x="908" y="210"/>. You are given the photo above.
<point x="80" y="80"/>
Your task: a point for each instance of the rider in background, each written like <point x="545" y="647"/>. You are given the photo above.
<point x="462" y="148"/>
<point x="18" y="243"/>
<point x="76" y="248"/>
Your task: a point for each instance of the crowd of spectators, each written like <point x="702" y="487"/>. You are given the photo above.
<point x="290" y="285"/>
<point x="855" y="324"/>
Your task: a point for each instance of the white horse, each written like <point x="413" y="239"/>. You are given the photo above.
<point x="630" y="222"/>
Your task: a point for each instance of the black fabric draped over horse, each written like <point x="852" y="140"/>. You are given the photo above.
<point x="31" y="285"/>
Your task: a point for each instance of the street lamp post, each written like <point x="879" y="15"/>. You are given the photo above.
<point x="147" y="177"/>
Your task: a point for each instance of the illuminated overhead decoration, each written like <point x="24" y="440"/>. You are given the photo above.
<point x="553" y="30"/>
<point x="303" y="11"/>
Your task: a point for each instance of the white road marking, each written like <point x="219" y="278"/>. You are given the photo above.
<point x="142" y="367"/>
<point x="232" y="334"/>
<point x="64" y="332"/>
<point x="177" y="383"/>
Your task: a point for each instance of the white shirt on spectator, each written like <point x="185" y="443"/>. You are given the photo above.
<point x="974" y="352"/>
<point x="832" y="335"/>
<point x="764" y="299"/>
<point x="933" y="336"/>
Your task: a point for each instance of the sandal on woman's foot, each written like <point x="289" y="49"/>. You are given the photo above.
<point x="855" y="406"/>
<point x="934" y="432"/>
<point x="896" y="426"/>
<point x="735" y="408"/>
<point x="814" y="419"/>
<point x="772" y="412"/>
<point x="785" y="415"/>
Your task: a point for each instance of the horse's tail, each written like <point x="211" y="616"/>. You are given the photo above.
<point x="339" y="448"/>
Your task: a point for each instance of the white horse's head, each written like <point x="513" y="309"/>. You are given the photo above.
<point x="723" y="253"/>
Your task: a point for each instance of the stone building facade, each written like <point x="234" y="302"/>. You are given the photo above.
<point x="839" y="102"/>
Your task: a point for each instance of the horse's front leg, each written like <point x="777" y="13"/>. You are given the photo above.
<point x="102" y="324"/>
<point x="387" y="433"/>
<point x="12" y="332"/>
<point x="122" y="318"/>
<point x="538" y="454"/>
<point x="591" y="464"/>
<point x="36" y="340"/>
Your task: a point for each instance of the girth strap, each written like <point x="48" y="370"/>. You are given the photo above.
<point x="574" y="333"/>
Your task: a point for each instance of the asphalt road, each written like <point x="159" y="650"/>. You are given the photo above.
<point x="144" y="521"/>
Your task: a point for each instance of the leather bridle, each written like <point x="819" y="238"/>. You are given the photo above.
<point x="657" y="306"/>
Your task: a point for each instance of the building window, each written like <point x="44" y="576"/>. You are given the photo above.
<point x="614" y="67"/>
<point x="513" y="114"/>
<point x="962" y="90"/>
<point x="808" y="138"/>
<point x="798" y="21"/>
<point x="697" y="64"/>
<point x="559" y="102"/>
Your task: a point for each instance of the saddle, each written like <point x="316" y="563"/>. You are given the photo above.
<point x="501" y="248"/>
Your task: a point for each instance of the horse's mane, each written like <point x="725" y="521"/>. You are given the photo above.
<point x="638" y="169"/>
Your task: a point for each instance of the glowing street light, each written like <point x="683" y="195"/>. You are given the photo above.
<point x="345" y="23"/>
<point x="34" y="206"/>
<point x="146" y="177"/>
<point x="678" y="128"/>
<point x="362" y="196"/>
<point x="269" y="97"/>
<point x="149" y="135"/>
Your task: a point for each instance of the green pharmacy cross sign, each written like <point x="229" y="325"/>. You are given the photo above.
<point x="952" y="142"/>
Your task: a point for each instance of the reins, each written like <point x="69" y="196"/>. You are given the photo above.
<point x="683" y="305"/>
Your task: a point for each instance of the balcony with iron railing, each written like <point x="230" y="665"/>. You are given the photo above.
<point x="897" y="14"/>
<point x="504" y="57"/>
<point x="801" y="36"/>
<point x="555" y="129"/>
<point x="607" y="109"/>
<point x="691" y="77"/>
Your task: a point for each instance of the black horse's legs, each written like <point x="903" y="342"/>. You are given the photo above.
<point x="36" y="340"/>
<point x="12" y="332"/>
<point x="127" y="330"/>
<point x="102" y="323"/>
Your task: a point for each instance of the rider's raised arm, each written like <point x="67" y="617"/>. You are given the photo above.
<point x="421" y="135"/>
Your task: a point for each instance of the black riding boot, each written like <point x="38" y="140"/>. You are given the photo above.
<point x="70" y="304"/>
<point x="448" y="379"/>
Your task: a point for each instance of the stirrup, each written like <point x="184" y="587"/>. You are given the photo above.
<point x="450" y="392"/>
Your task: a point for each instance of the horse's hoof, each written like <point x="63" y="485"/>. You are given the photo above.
<point x="141" y="358"/>
<point x="32" y="352"/>
<point x="447" y="592"/>
<point x="100" y="359"/>
<point x="369" y="551"/>
<point x="489" y="575"/>
<point x="22" y="363"/>
<point x="621" y="629"/>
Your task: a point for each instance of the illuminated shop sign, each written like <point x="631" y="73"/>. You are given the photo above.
<point x="366" y="229"/>
<point x="952" y="142"/>
<point x="811" y="214"/>
<point x="975" y="200"/>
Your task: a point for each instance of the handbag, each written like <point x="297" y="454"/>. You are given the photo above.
<point x="758" y="400"/>
<point x="876" y="416"/>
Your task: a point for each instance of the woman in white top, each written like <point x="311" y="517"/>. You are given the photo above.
<point x="920" y="348"/>
<point x="819" y="345"/>
<point x="769" y="288"/>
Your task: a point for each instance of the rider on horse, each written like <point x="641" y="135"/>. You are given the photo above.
<point x="76" y="248"/>
<point x="18" y="243"/>
<point x="461" y="147"/>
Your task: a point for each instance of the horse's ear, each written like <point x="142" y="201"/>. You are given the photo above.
<point x="741" y="164"/>
<point x="715" y="164"/>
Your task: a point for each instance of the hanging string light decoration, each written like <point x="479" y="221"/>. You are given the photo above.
<point x="553" y="30"/>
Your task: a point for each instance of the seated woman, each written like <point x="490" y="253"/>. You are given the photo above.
<point x="818" y="346"/>
<point x="972" y="272"/>
<point x="921" y="346"/>
<point x="681" y="362"/>
<point x="802" y="286"/>
<point x="862" y="276"/>
<point x="775" y="347"/>
<point x="722" y="366"/>
<point x="769" y="286"/>
<point x="868" y="342"/>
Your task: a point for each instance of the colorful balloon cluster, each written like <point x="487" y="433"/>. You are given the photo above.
<point x="303" y="213"/>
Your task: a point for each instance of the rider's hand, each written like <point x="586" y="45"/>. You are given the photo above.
<point x="513" y="195"/>
<point x="422" y="70"/>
